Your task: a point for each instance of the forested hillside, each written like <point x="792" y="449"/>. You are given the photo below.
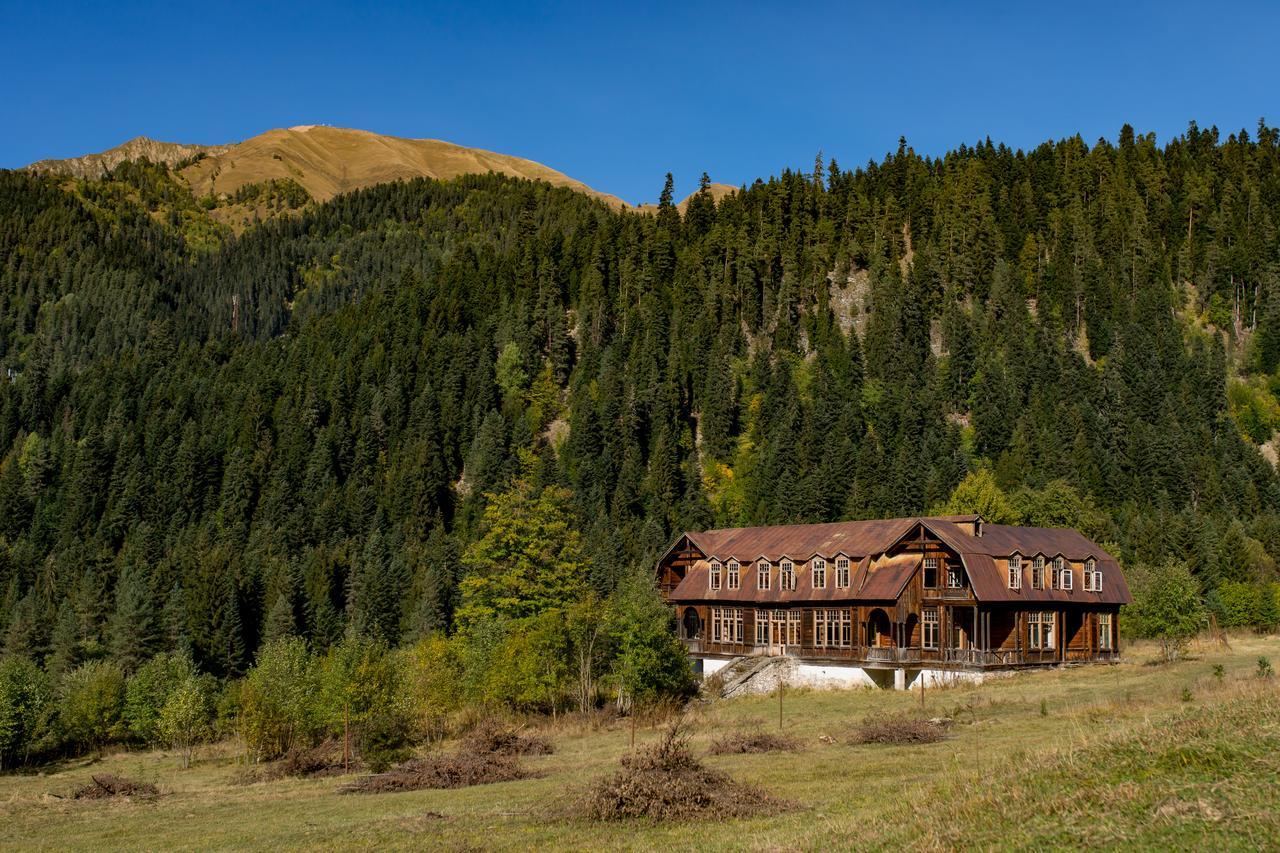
<point x="207" y="439"/>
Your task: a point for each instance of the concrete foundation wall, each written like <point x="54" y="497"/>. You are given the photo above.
<point x="836" y="676"/>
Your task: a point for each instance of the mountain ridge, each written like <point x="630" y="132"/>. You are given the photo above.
<point x="325" y="161"/>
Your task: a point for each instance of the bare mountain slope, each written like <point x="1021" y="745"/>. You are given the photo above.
<point x="94" y="166"/>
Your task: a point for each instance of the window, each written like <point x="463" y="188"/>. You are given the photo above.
<point x="715" y="575"/>
<point x="762" y="627"/>
<point x="1065" y="578"/>
<point x="1040" y="630"/>
<point x="787" y="575"/>
<point x="832" y="628"/>
<point x="726" y="624"/>
<point x="731" y="577"/>
<point x="1106" y="637"/>
<point x="955" y="577"/>
<point x="762" y="574"/>
<point x="1037" y="572"/>
<point x="1015" y="572"/>
<point x="1056" y="581"/>
<point x="793" y="627"/>
<point x="931" y="572"/>
<point x="818" y="568"/>
<point x="842" y="572"/>
<point x="929" y="626"/>
<point x="1092" y="577"/>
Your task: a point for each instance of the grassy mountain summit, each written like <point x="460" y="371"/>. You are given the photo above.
<point x="325" y="161"/>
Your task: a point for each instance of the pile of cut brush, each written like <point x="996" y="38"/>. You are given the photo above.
<point x="742" y="743"/>
<point x="665" y="782"/>
<point x="107" y="785"/>
<point x="325" y="759"/>
<point x="495" y="739"/>
<point x="903" y="729"/>
<point x="488" y="755"/>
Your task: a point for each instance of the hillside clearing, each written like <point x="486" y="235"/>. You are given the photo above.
<point x="1092" y="755"/>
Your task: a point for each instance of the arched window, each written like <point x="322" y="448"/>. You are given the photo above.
<point x="763" y="574"/>
<point x="715" y="574"/>
<point x="732" y="576"/>
<point x="1015" y="572"/>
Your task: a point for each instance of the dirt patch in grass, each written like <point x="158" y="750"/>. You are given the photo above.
<point x="664" y="782"/>
<point x="460" y="769"/>
<point x="495" y="739"/>
<point x="741" y="743"/>
<point x="900" y="730"/>
<point x="108" y="785"/>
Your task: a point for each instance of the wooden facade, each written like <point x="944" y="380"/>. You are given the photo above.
<point x="925" y="592"/>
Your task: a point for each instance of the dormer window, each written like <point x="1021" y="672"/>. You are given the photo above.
<point x="787" y="575"/>
<point x="1015" y="572"/>
<point x="763" y="574"/>
<point x="1061" y="574"/>
<point x="1092" y="577"/>
<point x="842" y="572"/>
<point x="732" y="576"/>
<point x="715" y="574"/>
<point x="818" y="572"/>
<point x="977" y="527"/>
<point x="1037" y="572"/>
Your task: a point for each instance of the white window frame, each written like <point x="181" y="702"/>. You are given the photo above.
<point x="1041" y="631"/>
<point x="1106" y="632"/>
<point x="733" y="575"/>
<point x="955" y="577"/>
<point x="786" y="575"/>
<point x="1015" y="571"/>
<point x="1066" y="578"/>
<point x="764" y="574"/>
<point x="1055" y="577"/>
<point x="1037" y="572"/>
<point x="930" y="624"/>
<point x="842" y="572"/>
<point x="715" y="574"/>
<point x="818" y="573"/>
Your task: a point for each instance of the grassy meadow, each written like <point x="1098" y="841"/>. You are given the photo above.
<point x="1136" y="755"/>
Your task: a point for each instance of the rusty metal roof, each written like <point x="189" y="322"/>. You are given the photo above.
<point x="860" y="540"/>
<point x="886" y="580"/>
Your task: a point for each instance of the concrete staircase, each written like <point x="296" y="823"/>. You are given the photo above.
<point x="755" y="674"/>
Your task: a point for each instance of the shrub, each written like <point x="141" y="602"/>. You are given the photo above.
<point x="1264" y="667"/>
<point x="106" y="785"/>
<point x="456" y="770"/>
<point x="149" y="689"/>
<point x="25" y="701"/>
<point x="278" y="700"/>
<point x="185" y="718"/>
<point x="1166" y="605"/>
<point x="93" y="704"/>
<point x="491" y="738"/>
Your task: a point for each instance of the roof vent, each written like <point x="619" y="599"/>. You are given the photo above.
<point x="977" y="527"/>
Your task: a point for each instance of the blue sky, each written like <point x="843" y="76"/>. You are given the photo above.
<point x="617" y="97"/>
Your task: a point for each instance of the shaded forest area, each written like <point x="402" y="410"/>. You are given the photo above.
<point x="208" y="441"/>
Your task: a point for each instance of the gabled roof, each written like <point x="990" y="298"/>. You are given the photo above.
<point x="860" y="540"/>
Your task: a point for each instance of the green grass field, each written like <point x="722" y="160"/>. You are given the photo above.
<point x="1133" y="755"/>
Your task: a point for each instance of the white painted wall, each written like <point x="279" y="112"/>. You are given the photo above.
<point x="710" y="666"/>
<point x="829" y="676"/>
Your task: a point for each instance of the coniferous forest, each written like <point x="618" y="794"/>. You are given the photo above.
<point x="423" y="416"/>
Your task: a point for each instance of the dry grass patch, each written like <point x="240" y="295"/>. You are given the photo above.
<point x="105" y="786"/>
<point x="742" y="743"/>
<point x="901" y="729"/>
<point x="460" y="769"/>
<point x="666" y="783"/>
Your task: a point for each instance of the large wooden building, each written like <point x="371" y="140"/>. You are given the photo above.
<point x="939" y="594"/>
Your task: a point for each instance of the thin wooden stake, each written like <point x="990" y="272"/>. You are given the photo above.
<point x="780" y="688"/>
<point x="346" y="737"/>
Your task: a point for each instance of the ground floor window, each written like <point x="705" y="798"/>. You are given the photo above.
<point x="929" y="627"/>
<point x="1040" y="630"/>
<point x="832" y="629"/>
<point x="726" y="624"/>
<point x="1106" y="632"/>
